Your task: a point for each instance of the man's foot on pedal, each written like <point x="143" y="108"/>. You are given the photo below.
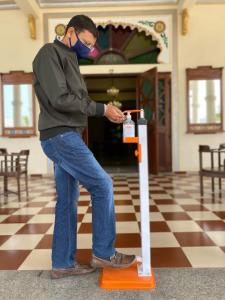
<point x="76" y="270"/>
<point x="118" y="260"/>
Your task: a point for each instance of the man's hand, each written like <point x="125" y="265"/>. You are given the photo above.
<point x="114" y="114"/>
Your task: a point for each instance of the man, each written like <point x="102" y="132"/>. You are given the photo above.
<point x="64" y="108"/>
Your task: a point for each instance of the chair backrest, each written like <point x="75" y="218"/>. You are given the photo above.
<point x="24" y="152"/>
<point x="15" y="162"/>
<point x="204" y="149"/>
<point x="3" y="151"/>
<point x="222" y="146"/>
<point x="23" y="159"/>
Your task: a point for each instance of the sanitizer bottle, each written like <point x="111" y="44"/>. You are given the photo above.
<point x="128" y="127"/>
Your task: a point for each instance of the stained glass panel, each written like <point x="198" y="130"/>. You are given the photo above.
<point x="122" y="46"/>
<point x="147" y="58"/>
<point x="119" y="36"/>
<point x="103" y="39"/>
<point x="147" y="90"/>
<point x="86" y="61"/>
<point x="138" y="42"/>
<point x="111" y="59"/>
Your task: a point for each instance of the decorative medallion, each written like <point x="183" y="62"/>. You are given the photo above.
<point x="155" y="26"/>
<point x="60" y="29"/>
<point x="159" y="26"/>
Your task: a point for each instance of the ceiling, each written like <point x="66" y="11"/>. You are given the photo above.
<point x="44" y="3"/>
<point x="11" y="4"/>
<point x="61" y="3"/>
<point x="7" y="4"/>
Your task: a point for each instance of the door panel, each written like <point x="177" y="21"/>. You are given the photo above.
<point x="85" y="136"/>
<point x="164" y="122"/>
<point x="147" y="98"/>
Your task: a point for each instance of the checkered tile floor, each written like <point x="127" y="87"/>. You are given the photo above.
<point x="186" y="231"/>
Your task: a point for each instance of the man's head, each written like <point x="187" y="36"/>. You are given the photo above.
<point x="80" y="31"/>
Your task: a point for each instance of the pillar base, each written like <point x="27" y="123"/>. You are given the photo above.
<point x="125" y="279"/>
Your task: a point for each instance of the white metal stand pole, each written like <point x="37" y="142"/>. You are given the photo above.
<point x="145" y="268"/>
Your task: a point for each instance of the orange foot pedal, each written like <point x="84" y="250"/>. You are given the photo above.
<point x="125" y="279"/>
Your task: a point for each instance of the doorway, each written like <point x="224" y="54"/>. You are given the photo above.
<point x="105" y="138"/>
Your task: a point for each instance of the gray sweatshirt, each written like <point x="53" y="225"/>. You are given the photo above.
<point x="61" y="91"/>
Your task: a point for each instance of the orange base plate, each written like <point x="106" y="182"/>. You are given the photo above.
<point x="125" y="279"/>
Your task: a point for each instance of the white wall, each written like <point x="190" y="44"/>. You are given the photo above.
<point x="203" y="45"/>
<point x="16" y="53"/>
<point x="17" y="48"/>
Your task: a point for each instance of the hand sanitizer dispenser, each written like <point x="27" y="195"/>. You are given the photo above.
<point x="128" y="127"/>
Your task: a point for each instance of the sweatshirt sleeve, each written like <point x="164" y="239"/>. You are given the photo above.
<point x="49" y="73"/>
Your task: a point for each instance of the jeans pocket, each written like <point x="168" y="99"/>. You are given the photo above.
<point x="72" y="142"/>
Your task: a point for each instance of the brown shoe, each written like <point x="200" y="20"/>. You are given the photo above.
<point x="119" y="260"/>
<point x="77" y="270"/>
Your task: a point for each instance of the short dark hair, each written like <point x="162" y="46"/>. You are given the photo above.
<point x="81" y="23"/>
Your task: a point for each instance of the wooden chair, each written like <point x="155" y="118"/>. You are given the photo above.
<point x="213" y="171"/>
<point x="14" y="165"/>
<point x="3" y="151"/>
<point x="221" y="151"/>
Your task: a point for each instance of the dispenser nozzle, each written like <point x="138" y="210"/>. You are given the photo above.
<point x="128" y="115"/>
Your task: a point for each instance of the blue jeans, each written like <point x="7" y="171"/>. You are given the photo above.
<point x="74" y="164"/>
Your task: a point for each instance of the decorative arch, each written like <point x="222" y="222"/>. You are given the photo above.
<point x="142" y="29"/>
<point x="132" y="26"/>
<point x="124" y="43"/>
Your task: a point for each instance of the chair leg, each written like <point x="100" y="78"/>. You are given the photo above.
<point x="213" y="184"/>
<point x="18" y="187"/>
<point x="5" y="189"/>
<point x="201" y="185"/>
<point x="26" y="183"/>
<point x="220" y="187"/>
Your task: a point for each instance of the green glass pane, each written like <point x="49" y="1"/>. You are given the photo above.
<point x="147" y="58"/>
<point x="111" y="59"/>
<point x="147" y="88"/>
<point x="148" y="112"/>
<point x="103" y="39"/>
<point x="161" y="85"/>
<point x="86" y="61"/>
<point x="139" y="42"/>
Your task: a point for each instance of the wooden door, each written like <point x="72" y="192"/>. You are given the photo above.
<point x="164" y="122"/>
<point x="85" y="135"/>
<point x="147" y="98"/>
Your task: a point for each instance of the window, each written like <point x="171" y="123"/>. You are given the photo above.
<point x="18" y="106"/>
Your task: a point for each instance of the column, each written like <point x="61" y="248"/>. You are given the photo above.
<point x="195" y="117"/>
<point x="210" y="101"/>
<point x="17" y="105"/>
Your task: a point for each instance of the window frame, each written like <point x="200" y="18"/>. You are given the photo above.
<point x="17" y="77"/>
